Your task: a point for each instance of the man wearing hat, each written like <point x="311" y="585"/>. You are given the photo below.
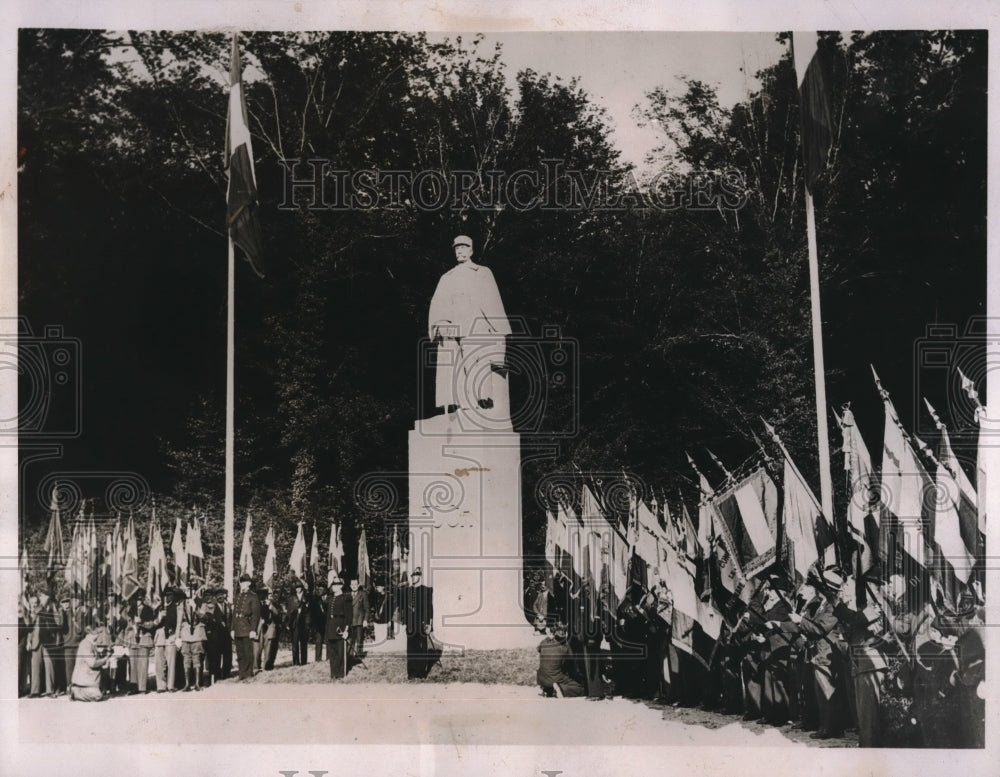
<point x="297" y="621"/>
<point x="244" y="625"/>
<point x="338" y="623"/>
<point x="467" y="304"/>
<point x="554" y="659"/>
<point x="419" y="608"/>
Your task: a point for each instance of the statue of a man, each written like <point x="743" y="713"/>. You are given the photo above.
<point x="468" y="321"/>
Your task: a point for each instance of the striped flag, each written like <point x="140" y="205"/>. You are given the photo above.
<point x="54" y="539"/>
<point x="130" y="563"/>
<point x="246" y="550"/>
<point x="241" y="196"/>
<point x="364" y="566"/>
<point x="195" y="553"/>
<point x="157" y="568"/>
<point x="270" y="557"/>
<point x="314" y="554"/>
<point x="336" y="566"/>
<point x="177" y="548"/>
<point x="862" y="519"/>
<point x="297" y="559"/>
<point x="814" y="104"/>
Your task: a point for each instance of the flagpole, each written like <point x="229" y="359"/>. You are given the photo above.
<point x="823" y="439"/>
<point x="230" y="415"/>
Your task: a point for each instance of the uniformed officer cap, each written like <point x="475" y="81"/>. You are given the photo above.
<point x="462" y="240"/>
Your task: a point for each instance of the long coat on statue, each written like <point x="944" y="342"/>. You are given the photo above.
<point x="468" y="318"/>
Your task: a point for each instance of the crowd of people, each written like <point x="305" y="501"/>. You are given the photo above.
<point x="184" y="640"/>
<point x="898" y="672"/>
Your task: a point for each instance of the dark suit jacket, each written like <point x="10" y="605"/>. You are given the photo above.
<point x="361" y="612"/>
<point x="419" y="609"/>
<point x="338" y="616"/>
<point x="246" y="614"/>
<point x="297" y="614"/>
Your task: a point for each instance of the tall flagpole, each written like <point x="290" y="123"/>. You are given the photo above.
<point x="825" y="480"/>
<point x="230" y="426"/>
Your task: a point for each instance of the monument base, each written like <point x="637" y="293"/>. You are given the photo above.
<point x="465" y="531"/>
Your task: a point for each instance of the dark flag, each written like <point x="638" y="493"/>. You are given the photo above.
<point x="814" y="104"/>
<point x="241" y="197"/>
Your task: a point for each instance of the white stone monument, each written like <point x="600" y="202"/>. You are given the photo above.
<point x="465" y="471"/>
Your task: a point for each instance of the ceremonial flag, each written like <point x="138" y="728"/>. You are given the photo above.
<point x="297" y="560"/>
<point x="108" y="577"/>
<point x="75" y="562"/>
<point x="270" y="557"/>
<point x="246" y="554"/>
<point x="814" y="104"/>
<point x="551" y="528"/>
<point x="177" y="549"/>
<point x="118" y="565"/>
<point x="314" y="554"/>
<point x="24" y="570"/>
<point x="130" y="563"/>
<point x="862" y="520"/>
<point x="805" y="526"/>
<point x="955" y="529"/>
<point x="336" y="566"/>
<point x="364" y="567"/>
<point x="395" y="559"/>
<point x="241" y="196"/>
<point x="746" y="516"/>
<point x="905" y="484"/>
<point x="54" y="538"/>
<point x="92" y="563"/>
<point x="970" y="389"/>
<point x="195" y="552"/>
<point x="157" y="569"/>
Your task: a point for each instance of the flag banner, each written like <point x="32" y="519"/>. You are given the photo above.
<point x="108" y="576"/>
<point x="967" y="501"/>
<point x="364" y="566"/>
<point x="814" y="104"/>
<point x="862" y="515"/>
<point x="314" y="555"/>
<point x="54" y="539"/>
<point x="93" y="568"/>
<point x="130" y="564"/>
<point x="906" y="521"/>
<point x="157" y="568"/>
<point x="177" y="548"/>
<point x="297" y="559"/>
<point x="246" y="549"/>
<point x="270" y="558"/>
<point x="73" y="563"/>
<point x="396" y="558"/>
<point x="24" y="570"/>
<point x="947" y="529"/>
<point x="195" y="554"/>
<point x="118" y="563"/>
<point x="551" y="532"/>
<point x="620" y="553"/>
<point x="807" y="530"/>
<point x="336" y="565"/>
<point x="241" y="196"/>
<point x="746" y="518"/>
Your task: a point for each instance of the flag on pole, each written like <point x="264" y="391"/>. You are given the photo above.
<point x="241" y="196"/>
<point x="955" y="529"/>
<point x="814" y="104"/>
<point x="195" y="552"/>
<point x="314" y="554"/>
<point x="297" y="560"/>
<point x="805" y="526"/>
<point x="118" y="565"/>
<point x="270" y="557"/>
<point x="970" y="389"/>
<point x="24" y="570"/>
<point x="92" y="564"/>
<point x="130" y="563"/>
<point x="246" y="554"/>
<point x="862" y="514"/>
<point x="364" y="567"/>
<point x="54" y="538"/>
<point x="336" y="566"/>
<point x="157" y="568"/>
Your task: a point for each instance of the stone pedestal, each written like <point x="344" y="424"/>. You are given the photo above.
<point x="465" y="528"/>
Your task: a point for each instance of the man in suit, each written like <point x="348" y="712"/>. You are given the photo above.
<point x="245" y="622"/>
<point x="338" y="622"/>
<point x="360" y="613"/>
<point x="419" y="623"/>
<point x="554" y="662"/>
<point x="270" y="617"/>
<point x="317" y="618"/>
<point x="297" y="620"/>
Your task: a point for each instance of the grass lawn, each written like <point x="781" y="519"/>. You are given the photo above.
<point x="507" y="667"/>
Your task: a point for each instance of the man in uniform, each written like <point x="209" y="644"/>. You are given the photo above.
<point x="338" y="622"/>
<point x="419" y="623"/>
<point x="467" y="304"/>
<point x="245" y="622"/>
